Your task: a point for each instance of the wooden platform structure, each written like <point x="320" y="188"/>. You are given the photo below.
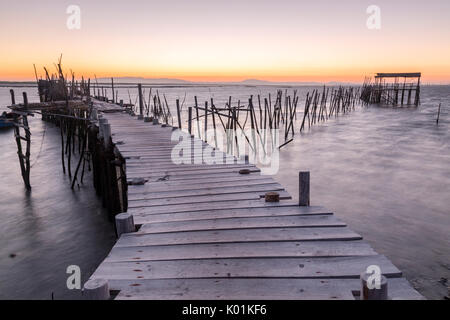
<point x="403" y="90"/>
<point x="205" y="232"/>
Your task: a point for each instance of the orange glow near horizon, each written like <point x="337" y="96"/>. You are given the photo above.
<point x="225" y="41"/>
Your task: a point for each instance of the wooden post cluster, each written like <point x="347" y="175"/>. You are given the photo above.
<point x="108" y="169"/>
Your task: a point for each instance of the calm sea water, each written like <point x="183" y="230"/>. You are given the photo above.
<point x="44" y="231"/>
<point x="384" y="171"/>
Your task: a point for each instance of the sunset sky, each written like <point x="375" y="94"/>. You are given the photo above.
<point x="231" y="40"/>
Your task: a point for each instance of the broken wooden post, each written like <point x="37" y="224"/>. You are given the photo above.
<point x="380" y="293"/>
<point x="272" y="197"/>
<point x="303" y="192"/>
<point x="96" y="289"/>
<point x="124" y="223"/>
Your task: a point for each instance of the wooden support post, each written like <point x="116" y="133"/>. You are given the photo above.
<point x="197" y="117"/>
<point x="13" y="99"/>
<point x="373" y="294"/>
<point x="101" y="122"/>
<point x="178" y="114"/>
<point x="94" y="114"/>
<point x="124" y="223"/>
<point x="141" y="102"/>
<point x="106" y="134"/>
<point x="96" y="289"/>
<point x="112" y="86"/>
<point x="190" y="120"/>
<point x="303" y="192"/>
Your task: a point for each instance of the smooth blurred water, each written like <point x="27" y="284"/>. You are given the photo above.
<point x="384" y="171"/>
<point x="50" y="227"/>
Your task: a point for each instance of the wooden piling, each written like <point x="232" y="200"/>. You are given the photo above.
<point x="96" y="289"/>
<point x="178" y="114"/>
<point x="112" y="87"/>
<point x="367" y="293"/>
<point x="190" y="120"/>
<point x="141" y="103"/>
<point x="439" y="112"/>
<point x="124" y="223"/>
<point x="303" y="188"/>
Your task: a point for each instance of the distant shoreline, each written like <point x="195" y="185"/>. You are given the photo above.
<point x="175" y="84"/>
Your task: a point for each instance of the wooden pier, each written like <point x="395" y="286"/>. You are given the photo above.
<point x="206" y="232"/>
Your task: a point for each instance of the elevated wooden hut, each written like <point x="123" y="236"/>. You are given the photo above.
<point x="392" y="89"/>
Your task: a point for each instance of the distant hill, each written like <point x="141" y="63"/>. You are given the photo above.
<point x="281" y="83"/>
<point x="143" y="80"/>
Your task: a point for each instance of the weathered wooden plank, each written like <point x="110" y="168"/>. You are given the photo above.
<point x="253" y="289"/>
<point x="241" y="235"/>
<point x="167" y="186"/>
<point x="141" y="218"/>
<point x="261" y="189"/>
<point x="242" y="250"/>
<point x="208" y="199"/>
<point x="191" y="177"/>
<point x="169" y="166"/>
<point x="303" y="268"/>
<point x="188" y="174"/>
<point x="235" y="180"/>
<point x="173" y="208"/>
<point x="243" y="223"/>
<point x="190" y="171"/>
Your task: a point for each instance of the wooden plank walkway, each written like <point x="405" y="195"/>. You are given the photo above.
<point x="206" y="233"/>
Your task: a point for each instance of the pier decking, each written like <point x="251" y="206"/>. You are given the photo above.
<point x="206" y="232"/>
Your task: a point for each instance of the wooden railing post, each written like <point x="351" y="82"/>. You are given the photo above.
<point x="303" y="191"/>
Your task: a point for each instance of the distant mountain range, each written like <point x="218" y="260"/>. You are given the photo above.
<point x="143" y="80"/>
<point x="253" y="82"/>
<point x="181" y="82"/>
